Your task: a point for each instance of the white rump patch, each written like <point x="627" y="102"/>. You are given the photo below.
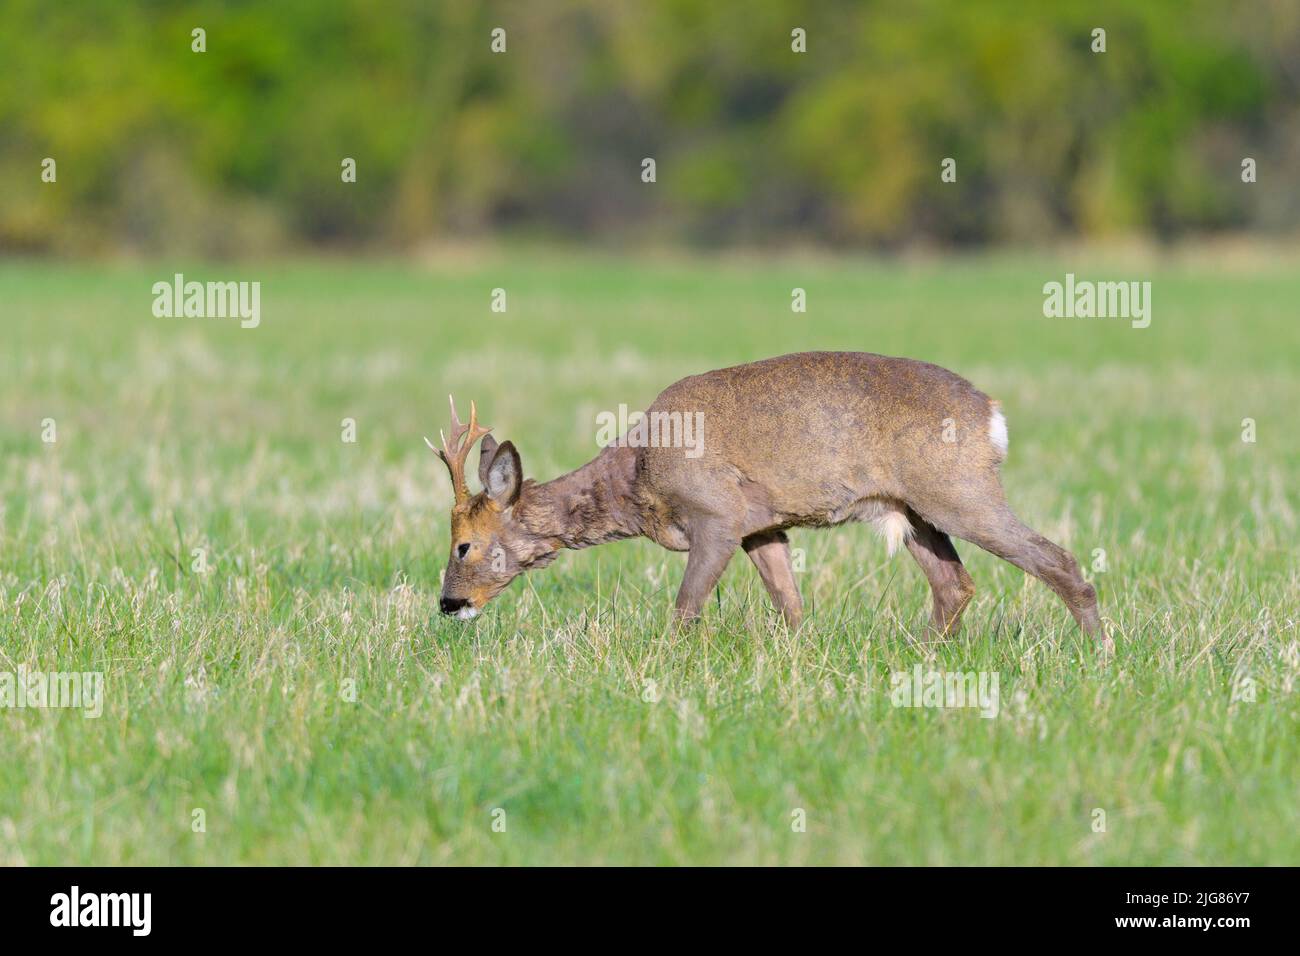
<point x="895" y="528"/>
<point x="998" y="430"/>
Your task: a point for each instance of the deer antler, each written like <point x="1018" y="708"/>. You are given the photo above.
<point x="454" y="455"/>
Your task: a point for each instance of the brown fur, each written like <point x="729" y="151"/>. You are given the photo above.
<point x="812" y="439"/>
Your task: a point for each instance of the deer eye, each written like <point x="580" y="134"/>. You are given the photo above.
<point x="462" y="550"/>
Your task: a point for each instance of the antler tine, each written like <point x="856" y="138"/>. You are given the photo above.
<point x="455" y="452"/>
<point x="457" y="429"/>
<point x="475" y="432"/>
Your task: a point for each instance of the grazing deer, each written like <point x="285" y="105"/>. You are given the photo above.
<point x="807" y="440"/>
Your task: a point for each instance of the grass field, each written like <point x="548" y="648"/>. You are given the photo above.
<point x="569" y="705"/>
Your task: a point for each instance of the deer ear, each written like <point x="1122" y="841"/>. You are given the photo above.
<point x="504" y="476"/>
<point x="486" y="452"/>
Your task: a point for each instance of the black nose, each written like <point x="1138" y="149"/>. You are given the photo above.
<point x="452" y="605"/>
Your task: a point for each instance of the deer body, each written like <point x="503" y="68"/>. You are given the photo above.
<point x="813" y="439"/>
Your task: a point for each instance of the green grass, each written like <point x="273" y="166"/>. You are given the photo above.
<point x="225" y="690"/>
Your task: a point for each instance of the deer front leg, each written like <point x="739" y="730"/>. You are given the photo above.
<point x="711" y="549"/>
<point x="770" y="552"/>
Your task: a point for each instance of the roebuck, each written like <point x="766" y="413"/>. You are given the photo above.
<point x="807" y="440"/>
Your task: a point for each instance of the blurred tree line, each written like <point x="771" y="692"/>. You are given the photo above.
<point x="238" y="149"/>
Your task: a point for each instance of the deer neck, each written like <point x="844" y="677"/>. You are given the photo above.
<point x="591" y="505"/>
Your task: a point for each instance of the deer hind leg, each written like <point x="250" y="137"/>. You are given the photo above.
<point x="770" y="552"/>
<point x="950" y="583"/>
<point x="996" y="529"/>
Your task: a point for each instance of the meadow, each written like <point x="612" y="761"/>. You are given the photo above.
<point x="261" y="595"/>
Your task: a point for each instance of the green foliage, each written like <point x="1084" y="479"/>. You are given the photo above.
<point x="238" y="149"/>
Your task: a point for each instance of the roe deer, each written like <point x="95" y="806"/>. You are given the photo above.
<point x="806" y="440"/>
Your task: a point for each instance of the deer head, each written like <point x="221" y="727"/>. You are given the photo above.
<point x="489" y="548"/>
